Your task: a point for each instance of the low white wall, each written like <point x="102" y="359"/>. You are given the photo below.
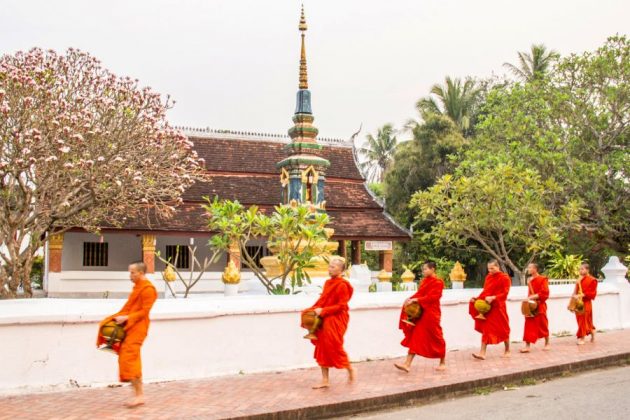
<point x="47" y="343"/>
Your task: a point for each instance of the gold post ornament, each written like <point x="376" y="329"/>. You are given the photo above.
<point x="303" y="74"/>
<point x="384" y="276"/>
<point x="55" y="241"/>
<point x="458" y="273"/>
<point x="169" y="274"/>
<point x="407" y="276"/>
<point x="231" y="275"/>
<point x="148" y="243"/>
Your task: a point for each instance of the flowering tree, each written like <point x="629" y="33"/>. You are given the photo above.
<point x="80" y="147"/>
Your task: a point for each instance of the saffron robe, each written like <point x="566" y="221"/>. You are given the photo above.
<point x="538" y="326"/>
<point x="496" y="327"/>
<point x="137" y="308"/>
<point x="426" y="338"/>
<point x="329" y="351"/>
<point x="585" y="320"/>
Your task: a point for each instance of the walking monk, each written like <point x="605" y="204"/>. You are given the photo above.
<point x="588" y="286"/>
<point x="496" y="327"/>
<point x="135" y="317"/>
<point x="425" y="338"/>
<point x="332" y="307"/>
<point x="537" y="326"/>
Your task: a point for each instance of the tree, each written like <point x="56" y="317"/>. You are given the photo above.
<point x="507" y="212"/>
<point x="574" y="127"/>
<point x="296" y="234"/>
<point x="420" y="162"/>
<point x="378" y="152"/>
<point x="80" y="147"/>
<point x="455" y="99"/>
<point x="533" y="65"/>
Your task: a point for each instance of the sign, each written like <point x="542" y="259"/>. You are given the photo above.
<point x="378" y="245"/>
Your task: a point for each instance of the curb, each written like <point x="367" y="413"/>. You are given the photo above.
<point x="397" y="400"/>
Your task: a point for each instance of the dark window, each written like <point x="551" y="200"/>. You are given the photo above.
<point x="178" y="255"/>
<point x="257" y="252"/>
<point x="95" y="254"/>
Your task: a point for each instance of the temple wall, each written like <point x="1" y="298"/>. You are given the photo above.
<point x="47" y="343"/>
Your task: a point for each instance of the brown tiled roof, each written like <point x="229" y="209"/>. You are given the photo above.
<point x="245" y="170"/>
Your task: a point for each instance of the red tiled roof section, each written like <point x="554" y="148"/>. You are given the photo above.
<point x="227" y="155"/>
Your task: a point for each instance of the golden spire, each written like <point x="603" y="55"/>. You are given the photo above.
<point x="303" y="74"/>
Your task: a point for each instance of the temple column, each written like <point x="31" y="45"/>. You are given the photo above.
<point x="148" y="252"/>
<point x="342" y="249"/>
<point x="386" y="260"/>
<point x="356" y="252"/>
<point x="55" y="252"/>
<point x="234" y="254"/>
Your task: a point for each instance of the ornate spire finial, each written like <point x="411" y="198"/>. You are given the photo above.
<point x="303" y="74"/>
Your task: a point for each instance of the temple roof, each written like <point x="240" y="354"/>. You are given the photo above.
<point x="243" y="167"/>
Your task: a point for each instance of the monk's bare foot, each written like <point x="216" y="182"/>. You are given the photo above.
<point x="352" y="374"/>
<point x="525" y="350"/>
<point x="136" y="402"/>
<point x="479" y="356"/>
<point x="580" y="342"/>
<point x="593" y="336"/>
<point x="506" y="355"/>
<point x="404" y="368"/>
<point x="547" y="347"/>
<point x="321" y="385"/>
<point x="441" y="368"/>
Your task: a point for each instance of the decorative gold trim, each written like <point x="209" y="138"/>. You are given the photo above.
<point x="305" y="173"/>
<point x="284" y="177"/>
<point x="56" y="241"/>
<point x="148" y="243"/>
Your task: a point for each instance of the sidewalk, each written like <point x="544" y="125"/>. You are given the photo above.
<point x="288" y="394"/>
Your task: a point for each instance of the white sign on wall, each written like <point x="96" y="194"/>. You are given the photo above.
<point x="378" y="245"/>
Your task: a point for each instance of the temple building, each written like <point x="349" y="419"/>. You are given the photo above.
<point x="254" y="168"/>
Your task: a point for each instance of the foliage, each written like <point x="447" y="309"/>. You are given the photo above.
<point x="294" y="233"/>
<point x="533" y="65"/>
<point x="377" y="188"/>
<point x="420" y="162"/>
<point x="37" y="272"/>
<point x="507" y="212"/>
<point x="455" y="99"/>
<point x="196" y="270"/>
<point x="378" y="153"/>
<point x="80" y="147"/>
<point x="561" y="266"/>
<point x="573" y="127"/>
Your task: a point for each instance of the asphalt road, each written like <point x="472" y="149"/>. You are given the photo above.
<point x="600" y="394"/>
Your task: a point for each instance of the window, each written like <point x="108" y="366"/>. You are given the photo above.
<point x="95" y="254"/>
<point x="178" y="255"/>
<point x="257" y="252"/>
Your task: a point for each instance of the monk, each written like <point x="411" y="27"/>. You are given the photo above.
<point x="425" y="338"/>
<point x="588" y="285"/>
<point x="332" y="307"/>
<point x="496" y="327"/>
<point x="537" y="326"/>
<point x="135" y="318"/>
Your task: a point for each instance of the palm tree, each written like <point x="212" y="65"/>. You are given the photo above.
<point x="378" y="153"/>
<point x="455" y="99"/>
<point x="533" y="65"/>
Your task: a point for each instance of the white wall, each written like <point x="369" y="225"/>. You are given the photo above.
<point x="48" y="342"/>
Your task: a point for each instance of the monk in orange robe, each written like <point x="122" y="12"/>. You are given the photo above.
<point x="537" y="326"/>
<point x="135" y="318"/>
<point x="496" y="327"/>
<point x="589" y="291"/>
<point x="332" y="307"/>
<point x="425" y="338"/>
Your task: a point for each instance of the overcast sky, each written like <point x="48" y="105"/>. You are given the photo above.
<point x="233" y="64"/>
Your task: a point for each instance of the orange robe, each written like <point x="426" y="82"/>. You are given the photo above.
<point x="426" y="338"/>
<point x="585" y="320"/>
<point x="334" y="299"/>
<point x="137" y="309"/>
<point x="496" y="327"/>
<point x="538" y="326"/>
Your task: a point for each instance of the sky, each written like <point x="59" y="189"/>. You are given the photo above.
<point x="233" y="64"/>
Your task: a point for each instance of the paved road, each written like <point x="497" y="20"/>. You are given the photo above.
<point x="600" y="394"/>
